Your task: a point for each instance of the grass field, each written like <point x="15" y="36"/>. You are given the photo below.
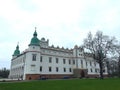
<point x="72" y="84"/>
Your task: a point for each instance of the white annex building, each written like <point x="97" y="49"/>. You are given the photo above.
<point x="43" y="61"/>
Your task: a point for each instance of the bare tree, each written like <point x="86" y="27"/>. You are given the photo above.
<point x="112" y="67"/>
<point x="4" y="73"/>
<point x="99" y="45"/>
<point x="117" y="50"/>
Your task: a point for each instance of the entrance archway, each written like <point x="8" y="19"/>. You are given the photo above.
<point x="82" y="74"/>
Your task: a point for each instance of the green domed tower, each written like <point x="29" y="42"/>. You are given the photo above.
<point x="35" y="41"/>
<point x="17" y="51"/>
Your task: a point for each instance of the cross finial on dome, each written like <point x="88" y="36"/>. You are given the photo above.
<point x="18" y="43"/>
<point x="35" y="33"/>
<point x="35" y="28"/>
<point x="17" y="46"/>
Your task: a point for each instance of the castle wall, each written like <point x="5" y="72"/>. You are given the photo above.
<point x="52" y="62"/>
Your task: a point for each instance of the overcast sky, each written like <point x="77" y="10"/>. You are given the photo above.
<point x="64" y="22"/>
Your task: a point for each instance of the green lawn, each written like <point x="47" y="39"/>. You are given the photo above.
<point x="72" y="84"/>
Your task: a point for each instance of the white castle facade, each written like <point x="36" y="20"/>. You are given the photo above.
<point x="43" y="61"/>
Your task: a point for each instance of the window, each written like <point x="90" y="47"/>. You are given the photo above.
<point x="56" y="60"/>
<point x="103" y="70"/>
<point x="22" y="68"/>
<point x="64" y="69"/>
<point x="50" y="59"/>
<point x="96" y="70"/>
<point x="81" y="62"/>
<point x="69" y="61"/>
<point x="32" y="67"/>
<point x="73" y="61"/>
<point x="34" y="57"/>
<point x="64" y="61"/>
<point x="41" y="59"/>
<point x="90" y="63"/>
<point x="40" y="68"/>
<point x="86" y="63"/>
<point x="56" y="69"/>
<point x="80" y="54"/>
<point x="70" y="70"/>
<point x="91" y="70"/>
<point x="50" y="69"/>
<point x="95" y="64"/>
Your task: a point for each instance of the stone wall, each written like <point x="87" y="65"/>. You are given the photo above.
<point x="47" y="76"/>
<point x="58" y="76"/>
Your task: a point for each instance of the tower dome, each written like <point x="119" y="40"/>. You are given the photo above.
<point x="35" y="41"/>
<point x="17" y="51"/>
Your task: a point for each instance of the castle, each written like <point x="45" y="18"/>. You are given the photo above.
<point x="40" y="60"/>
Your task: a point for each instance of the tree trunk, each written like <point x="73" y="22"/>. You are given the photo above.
<point x="101" y="69"/>
<point x="100" y="58"/>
